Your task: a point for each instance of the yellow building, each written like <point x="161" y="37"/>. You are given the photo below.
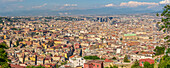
<point x="32" y="58"/>
<point x="57" y="42"/>
<point x="81" y="37"/>
<point x="4" y="36"/>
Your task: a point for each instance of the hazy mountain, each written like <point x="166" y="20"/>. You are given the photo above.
<point x="97" y="11"/>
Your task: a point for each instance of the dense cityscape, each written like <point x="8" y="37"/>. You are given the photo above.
<point x="85" y="34"/>
<point x="83" y="41"/>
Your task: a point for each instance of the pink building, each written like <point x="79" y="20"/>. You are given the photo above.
<point x="94" y="64"/>
<point x="1" y="41"/>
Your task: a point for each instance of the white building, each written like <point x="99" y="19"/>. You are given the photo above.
<point x="118" y="50"/>
<point x="77" y="61"/>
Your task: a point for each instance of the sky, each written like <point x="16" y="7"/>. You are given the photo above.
<point x="60" y="5"/>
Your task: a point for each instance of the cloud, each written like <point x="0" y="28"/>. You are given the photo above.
<point x="135" y="4"/>
<point x="110" y="5"/>
<point x="20" y="6"/>
<point x="11" y="0"/>
<point x="165" y="2"/>
<point x="70" y="5"/>
<point x="40" y="6"/>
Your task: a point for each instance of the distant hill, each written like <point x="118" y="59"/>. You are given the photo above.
<point x="97" y="11"/>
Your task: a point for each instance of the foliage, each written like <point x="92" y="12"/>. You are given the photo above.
<point x="14" y="29"/>
<point x="17" y="43"/>
<point x="168" y="50"/>
<point x="165" y="22"/>
<point x="114" y="58"/>
<point x="126" y="59"/>
<point x="63" y="63"/>
<point x="150" y="37"/>
<point x="57" y="66"/>
<point x="3" y="45"/>
<point x="112" y="67"/>
<point x="159" y="50"/>
<point x="121" y="39"/>
<point x="148" y="65"/>
<point x="35" y="66"/>
<point x="165" y="26"/>
<point x="136" y="65"/>
<point x="164" y="62"/>
<point x="91" y="57"/>
<point x="3" y="56"/>
<point x="1" y="28"/>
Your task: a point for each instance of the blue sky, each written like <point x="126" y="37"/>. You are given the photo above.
<point x="62" y="5"/>
<point x="14" y="5"/>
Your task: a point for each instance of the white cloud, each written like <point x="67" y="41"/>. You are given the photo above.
<point x="70" y="5"/>
<point x="40" y="6"/>
<point x="165" y="2"/>
<point x="135" y="4"/>
<point x="64" y="13"/>
<point x="20" y="6"/>
<point x="110" y="5"/>
<point x="11" y="0"/>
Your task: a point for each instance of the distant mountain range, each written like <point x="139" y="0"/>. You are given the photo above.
<point x="97" y="11"/>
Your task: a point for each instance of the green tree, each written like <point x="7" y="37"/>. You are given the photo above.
<point x="35" y="66"/>
<point x="121" y="39"/>
<point x="165" y="26"/>
<point x="14" y="29"/>
<point x="164" y="62"/>
<point x="57" y="66"/>
<point x="114" y="66"/>
<point x="159" y="50"/>
<point x="155" y="64"/>
<point x="114" y="58"/>
<point x="3" y="56"/>
<point x="165" y="22"/>
<point x="168" y="50"/>
<point x="63" y="63"/>
<point x="17" y="43"/>
<point x="148" y="65"/>
<point x="91" y="57"/>
<point x="126" y="59"/>
<point x="136" y="65"/>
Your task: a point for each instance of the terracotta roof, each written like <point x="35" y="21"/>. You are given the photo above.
<point x="108" y="60"/>
<point x="151" y="61"/>
<point x="16" y="66"/>
<point x="72" y="56"/>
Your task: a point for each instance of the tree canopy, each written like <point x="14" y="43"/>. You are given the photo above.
<point x="93" y="58"/>
<point x="126" y="59"/>
<point x="165" y="22"/>
<point x="164" y="62"/>
<point x="136" y="65"/>
<point x="112" y="66"/>
<point x="148" y="65"/>
<point x="168" y="50"/>
<point x="159" y="50"/>
<point x="3" y="56"/>
<point x="165" y="26"/>
<point x="40" y="66"/>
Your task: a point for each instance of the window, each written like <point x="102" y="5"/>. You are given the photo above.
<point x="97" y="65"/>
